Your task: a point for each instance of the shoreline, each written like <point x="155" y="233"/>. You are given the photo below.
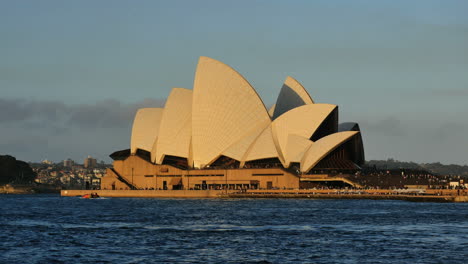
<point x="410" y="198"/>
<point x="26" y="189"/>
<point x="274" y="194"/>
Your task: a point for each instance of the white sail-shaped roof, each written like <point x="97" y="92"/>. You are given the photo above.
<point x="145" y="129"/>
<point x="263" y="148"/>
<point x="301" y="121"/>
<point x="176" y="126"/>
<point x="224" y="116"/>
<point x="292" y="95"/>
<point x="322" y="147"/>
<point x="224" y="107"/>
<point x="295" y="148"/>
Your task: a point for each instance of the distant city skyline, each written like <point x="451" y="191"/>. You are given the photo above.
<point x="73" y="74"/>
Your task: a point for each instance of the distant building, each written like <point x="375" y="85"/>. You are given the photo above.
<point x="90" y="162"/>
<point x="77" y="167"/>
<point x="48" y="162"/>
<point x="68" y="163"/>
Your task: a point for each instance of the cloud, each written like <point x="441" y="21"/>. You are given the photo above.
<point x="413" y="137"/>
<point x="389" y="126"/>
<point x="14" y="110"/>
<point x="451" y="92"/>
<point x="105" y="113"/>
<point x="34" y="130"/>
<point x="21" y="142"/>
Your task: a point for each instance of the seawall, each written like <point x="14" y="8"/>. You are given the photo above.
<point x="303" y="194"/>
<point x="412" y="198"/>
<point x="372" y="194"/>
<point x="149" y="193"/>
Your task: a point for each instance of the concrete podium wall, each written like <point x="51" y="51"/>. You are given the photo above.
<point x="149" y="193"/>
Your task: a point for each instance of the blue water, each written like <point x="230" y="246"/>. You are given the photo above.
<point x="54" y="229"/>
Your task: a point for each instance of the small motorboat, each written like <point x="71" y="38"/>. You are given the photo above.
<point x="90" y="196"/>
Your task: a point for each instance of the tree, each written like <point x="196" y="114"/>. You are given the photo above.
<point x="15" y="171"/>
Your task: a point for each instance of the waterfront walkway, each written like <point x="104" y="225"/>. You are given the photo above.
<point x="423" y="195"/>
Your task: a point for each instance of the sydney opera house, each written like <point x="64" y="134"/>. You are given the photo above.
<point x="220" y="135"/>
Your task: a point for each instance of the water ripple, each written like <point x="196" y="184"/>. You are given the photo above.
<point x="53" y="229"/>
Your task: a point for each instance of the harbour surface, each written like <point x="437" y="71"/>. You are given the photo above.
<point x="55" y="229"/>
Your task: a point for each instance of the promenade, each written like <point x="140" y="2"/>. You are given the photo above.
<point x="423" y="195"/>
<point x="356" y="194"/>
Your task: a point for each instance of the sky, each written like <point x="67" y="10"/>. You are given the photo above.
<point x="73" y="73"/>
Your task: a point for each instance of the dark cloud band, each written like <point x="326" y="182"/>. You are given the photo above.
<point x="107" y="113"/>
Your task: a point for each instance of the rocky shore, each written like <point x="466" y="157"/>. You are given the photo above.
<point x="27" y="189"/>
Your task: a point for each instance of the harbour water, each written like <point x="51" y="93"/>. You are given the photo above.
<point x="54" y="229"/>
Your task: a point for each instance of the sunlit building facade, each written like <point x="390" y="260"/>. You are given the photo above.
<point x="90" y="162"/>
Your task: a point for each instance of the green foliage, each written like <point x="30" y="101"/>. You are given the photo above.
<point x="435" y="168"/>
<point x="15" y="171"/>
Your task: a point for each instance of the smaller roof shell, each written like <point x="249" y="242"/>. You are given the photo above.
<point x="238" y="150"/>
<point x="264" y="147"/>
<point x="292" y="95"/>
<point x="295" y="148"/>
<point x="348" y="126"/>
<point x="302" y="121"/>
<point x="145" y="129"/>
<point x="322" y="147"/>
<point x="176" y="126"/>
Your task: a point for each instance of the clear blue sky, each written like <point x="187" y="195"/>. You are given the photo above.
<point x="72" y="73"/>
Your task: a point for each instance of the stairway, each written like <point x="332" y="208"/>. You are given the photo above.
<point x="123" y="179"/>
